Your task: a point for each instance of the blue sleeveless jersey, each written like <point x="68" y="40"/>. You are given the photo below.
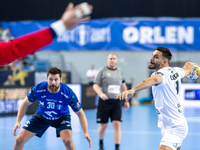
<point x="53" y="106"/>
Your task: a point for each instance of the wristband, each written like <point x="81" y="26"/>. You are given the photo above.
<point x="58" y="27"/>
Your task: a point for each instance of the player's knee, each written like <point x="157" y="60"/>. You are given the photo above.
<point x="103" y="126"/>
<point x="68" y="142"/>
<point x="116" y="125"/>
<point x="19" y="140"/>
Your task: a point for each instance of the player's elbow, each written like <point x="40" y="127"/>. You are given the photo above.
<point x="95" y="86"/>
<point x="157" y="79"/>
<point x="80" y="112"/>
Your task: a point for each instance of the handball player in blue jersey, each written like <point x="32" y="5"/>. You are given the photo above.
<point x="54" y="98"/>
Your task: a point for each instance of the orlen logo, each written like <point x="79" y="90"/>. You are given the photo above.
<point x="158" y="35"/>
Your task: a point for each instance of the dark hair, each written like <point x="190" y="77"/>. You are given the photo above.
<point x="54" y="71"/>
<point x="165" y="52"/>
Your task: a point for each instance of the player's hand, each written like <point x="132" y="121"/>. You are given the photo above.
<point x="86" y="135"/>
<point x="104" y="97"/>
<point x="126" y="95"/>
<point x="74" y="15"/>
<point x="17" y="125"/>
<point x="126" y="105"/>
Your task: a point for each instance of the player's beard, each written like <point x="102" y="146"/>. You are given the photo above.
<point x="154" y="65"/>
<point x="53" y="88"/>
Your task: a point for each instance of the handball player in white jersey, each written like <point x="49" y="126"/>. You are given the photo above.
<point x="166" y="83"/>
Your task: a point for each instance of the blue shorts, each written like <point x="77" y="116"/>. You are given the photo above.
<point x="38" y="124"/>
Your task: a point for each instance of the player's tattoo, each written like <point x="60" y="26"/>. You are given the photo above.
<point x="143" y="81"/>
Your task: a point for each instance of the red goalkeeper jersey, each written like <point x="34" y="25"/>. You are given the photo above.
<point x="24" y="45"/>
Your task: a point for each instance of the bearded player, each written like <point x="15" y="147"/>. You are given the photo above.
<point x="54" y="98"/>
<point x="166" y="83"/>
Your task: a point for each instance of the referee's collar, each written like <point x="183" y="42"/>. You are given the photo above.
<point x="112" y="69"/>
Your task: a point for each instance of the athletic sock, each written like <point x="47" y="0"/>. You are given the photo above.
<point x="116" y="146"/>
<point x="101" y="144"/>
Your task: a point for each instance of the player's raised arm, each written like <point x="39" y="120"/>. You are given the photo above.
<point x="29" y="43"/>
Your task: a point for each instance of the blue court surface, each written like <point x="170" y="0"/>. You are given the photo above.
<point x="139" y="132"/>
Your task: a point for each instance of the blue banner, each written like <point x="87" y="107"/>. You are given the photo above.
<point x="116" y="34"/>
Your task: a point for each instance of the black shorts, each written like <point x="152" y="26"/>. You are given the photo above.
<point x="38" y="124"/>
<point x="109" y="109"/>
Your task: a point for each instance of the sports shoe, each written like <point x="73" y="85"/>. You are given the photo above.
<point x="101" y="147"/>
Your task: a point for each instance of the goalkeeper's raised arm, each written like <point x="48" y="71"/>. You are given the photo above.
<point x="29" y="43"/>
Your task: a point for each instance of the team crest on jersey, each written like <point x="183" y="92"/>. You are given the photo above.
<point x="78" y="104"/>
<point x="59" y="106"/>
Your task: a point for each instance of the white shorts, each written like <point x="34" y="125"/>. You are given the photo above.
<point x="173" y="137"/>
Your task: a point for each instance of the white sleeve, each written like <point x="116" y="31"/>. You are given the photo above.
<point x="58" y="27"/>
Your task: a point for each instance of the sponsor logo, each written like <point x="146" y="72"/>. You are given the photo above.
<point x="27" y="123"/>
<point x="179" y="108"/>
<point x="84" y="34"/>
<point x="59" y="106"/>
<point x="98" y="119"/>
<point x="43" y="96"/>
<point x="49" y="113"/>
<point x="51" y="100"/>
<point x="64" y="95"/>
<point x="41" y="103"/>
<point x="175" y="145"/>
<point x="64" y="122"/>
<point x="158" y="112"/>
<point x="41" y="90"/>
<point x="49" y="118"/>
<point x="159" y="35"/>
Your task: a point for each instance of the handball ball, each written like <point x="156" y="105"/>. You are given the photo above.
<point x="195" y="75"/>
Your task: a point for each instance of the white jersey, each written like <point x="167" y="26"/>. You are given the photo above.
<point x="166" y="97"/>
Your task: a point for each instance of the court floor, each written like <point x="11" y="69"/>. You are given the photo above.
<point x="139" y="132"/>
